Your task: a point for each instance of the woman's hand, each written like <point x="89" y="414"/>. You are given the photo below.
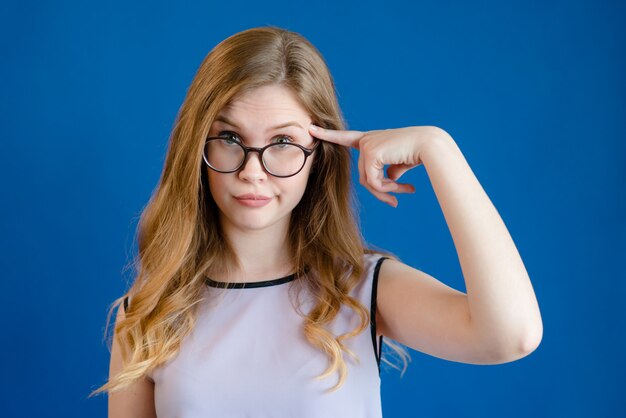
<point x="400" y="148"/>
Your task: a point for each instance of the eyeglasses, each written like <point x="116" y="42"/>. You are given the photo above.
<point x="280" y="159"/>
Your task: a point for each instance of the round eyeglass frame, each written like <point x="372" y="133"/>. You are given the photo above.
<point x="246" y="150"/>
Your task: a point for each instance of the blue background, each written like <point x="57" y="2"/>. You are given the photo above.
<point x="534" y="94"/>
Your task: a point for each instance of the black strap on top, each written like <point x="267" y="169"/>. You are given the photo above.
<point x="377" y="352"/>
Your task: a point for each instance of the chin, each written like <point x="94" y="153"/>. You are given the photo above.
<point x="251" y="221"/>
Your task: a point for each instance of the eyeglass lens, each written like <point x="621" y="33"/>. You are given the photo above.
<point x="282" y="159"/>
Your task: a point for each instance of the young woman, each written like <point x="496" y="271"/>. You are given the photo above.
<point x="254" y="285"/>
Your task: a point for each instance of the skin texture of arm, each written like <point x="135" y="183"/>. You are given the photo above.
<point x="498" y="320"/>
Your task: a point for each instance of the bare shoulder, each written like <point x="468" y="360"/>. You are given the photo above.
<point x="423" y="313"/>
<point x="136" y="400"/>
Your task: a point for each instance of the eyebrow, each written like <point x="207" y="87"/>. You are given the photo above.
<point x="224" y="119"/>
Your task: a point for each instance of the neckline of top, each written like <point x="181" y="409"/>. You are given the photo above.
<point x="247" y="285"/>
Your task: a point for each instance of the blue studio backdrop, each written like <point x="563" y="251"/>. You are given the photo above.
<point x="534" y="94"/>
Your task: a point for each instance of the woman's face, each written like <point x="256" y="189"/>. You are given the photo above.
<point x="252" y="119"/>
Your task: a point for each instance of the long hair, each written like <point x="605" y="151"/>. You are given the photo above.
<point x="179" y="234"/>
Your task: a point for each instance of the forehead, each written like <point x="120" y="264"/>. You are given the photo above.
<point x="266" y="104"/>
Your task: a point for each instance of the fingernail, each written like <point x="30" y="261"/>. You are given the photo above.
<point x="315" y="128"/>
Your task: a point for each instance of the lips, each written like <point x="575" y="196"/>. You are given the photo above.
<point x="252" y="196"/>
<point x="253" y="200"/>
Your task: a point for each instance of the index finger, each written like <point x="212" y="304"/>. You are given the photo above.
<point x="337" y="136"/>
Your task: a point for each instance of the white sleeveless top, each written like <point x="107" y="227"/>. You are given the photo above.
<point x="247" y="356"/>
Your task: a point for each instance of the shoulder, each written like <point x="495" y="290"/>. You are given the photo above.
<point x="365" y="289"/>
<point x="373" y="260"/>
<point x="371" y="266"/>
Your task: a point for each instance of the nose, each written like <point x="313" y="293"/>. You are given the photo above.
<point x="252" y="169"/>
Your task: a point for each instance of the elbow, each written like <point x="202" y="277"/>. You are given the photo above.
<point x="528" y="343"/>
<point x="532" y="339"/>
<point x="522" y="347"/>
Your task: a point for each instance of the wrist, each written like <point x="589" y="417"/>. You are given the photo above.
<point x="439" y="141"/>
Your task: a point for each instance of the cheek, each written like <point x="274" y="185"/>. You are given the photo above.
<point x="300" y="182"/>
<point x="216" y="185"/>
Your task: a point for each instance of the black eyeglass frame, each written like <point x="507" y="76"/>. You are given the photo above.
<point x="246" y="150"/>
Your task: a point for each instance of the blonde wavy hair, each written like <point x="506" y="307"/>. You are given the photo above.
<point x="179" y="234"/>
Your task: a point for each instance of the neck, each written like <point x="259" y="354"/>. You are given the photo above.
<point x="263" y="254"/>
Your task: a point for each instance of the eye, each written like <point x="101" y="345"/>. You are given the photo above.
<point x="233" y="137"/>
<point x="229" y="135"/>
<point x="287" y="139"/>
